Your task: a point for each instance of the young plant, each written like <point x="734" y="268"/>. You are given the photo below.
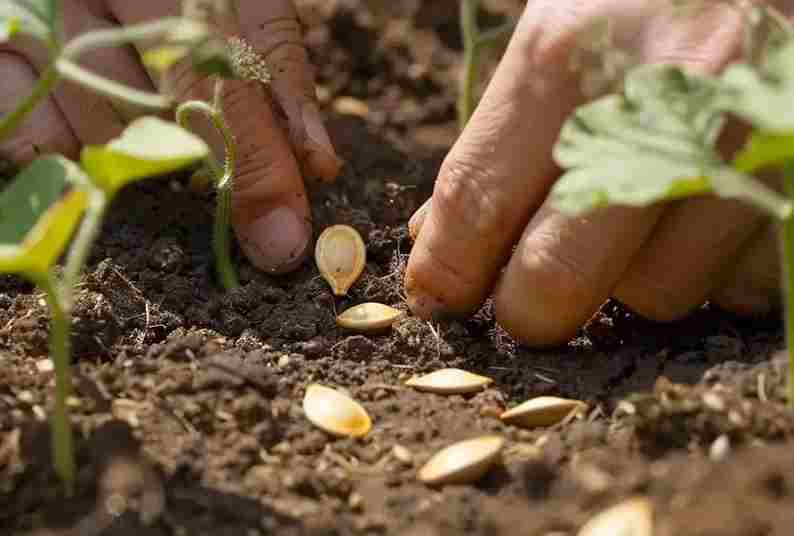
<point x="656" y="140"/>
<point x="474" y="41"/>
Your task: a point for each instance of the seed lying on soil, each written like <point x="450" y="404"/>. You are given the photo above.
<point x="368" y="316"/>
<point x="340" y="254"/>
<point x="335" y="412"/>
<point x="463" y="462"/>
<point x="541" y="411"/>
<point x="633" y="517"/>
<point x="449" y="381"/>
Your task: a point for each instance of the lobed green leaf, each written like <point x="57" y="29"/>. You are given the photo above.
<point x="654" y="143"/>
<point x="148" y="146"/>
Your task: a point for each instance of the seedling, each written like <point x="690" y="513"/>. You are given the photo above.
<point x="656" y="140"/>
<point x="54" y="198"/>
<point x="474" y="41"/>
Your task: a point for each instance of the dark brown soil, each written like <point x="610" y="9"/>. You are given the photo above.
<point x="188" y="400"/>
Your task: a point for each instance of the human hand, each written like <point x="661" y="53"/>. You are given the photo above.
<point x="270" y="209"/>
<point x="488" y="226"/>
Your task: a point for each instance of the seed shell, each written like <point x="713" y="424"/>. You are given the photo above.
<point x="633" y="517"/>
<point x="368" y="316"/>
<point x="463" y="462"/>
<point x="449" y="381"/>
<point x="335" y="412"/>
<point x="541" y="411"/>
<point x="340" y="254"/>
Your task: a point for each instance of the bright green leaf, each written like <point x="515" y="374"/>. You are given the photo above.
<point x="764" y="96"/>
<point x="148" y="146"/>
<point x="161" y="58"/>
<point x="655" y="143"/>
<point x="31" y="194"/>
<point x="763" y="150"/>
<point x="37" y="217"/>
<point x="8" y="27"/>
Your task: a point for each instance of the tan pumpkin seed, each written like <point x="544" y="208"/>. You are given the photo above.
<point x="541" y="411"/>
<point x="368" y="316"/>
<point x="340" y="254"/>
<point x="633" y="517"/>
<point x="449" y="381"/>
<point x="463" y="462"/>
<point x="335" y="412"/>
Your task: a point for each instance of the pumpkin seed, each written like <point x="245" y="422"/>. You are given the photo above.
<point x="449" y="381"/>
<point x="633" y="517"/>
<point x="368" y="316"/>
<point x="335" y="412"/>
<point x="541" y="411"/>
<point x="463" y="462"/>
<point x="340" y="254"/>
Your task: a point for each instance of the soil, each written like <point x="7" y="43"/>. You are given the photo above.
<point x="187" y="403"/>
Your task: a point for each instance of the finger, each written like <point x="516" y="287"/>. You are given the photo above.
<point x="270" y="210"/>
<point x="45" y="130"/>
<point x="752" y="284"/>
<point x="273" y="29"/>
<point x="92" y="117"/>
<point x="680" y="264"/>
<point x="496" y="174"/>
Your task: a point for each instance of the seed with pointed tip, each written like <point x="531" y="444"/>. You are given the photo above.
<point x="633" y="517"/>
<point x="335" y="412"/>
<point x="541" y="411"/>
<point x="463" y="462"/>
<point x="449" y="381"/>
<point x="340" y="254"/>
<point x="368" y="316"/>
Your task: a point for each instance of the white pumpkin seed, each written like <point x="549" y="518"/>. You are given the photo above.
<point x="633" y="517"/>
<point x="368" y="316"/>
<point x="335" y="412"/>
<point x="340" y="254"/>
<point x="463" y="462"/>
<point x="541" y="411"/>
<point x="449" y="381"/>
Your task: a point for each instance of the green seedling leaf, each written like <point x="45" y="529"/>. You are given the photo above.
<point x="162" y="58"/>
<point x="148" y="146"/>
<point x="38" y="215"/>
<point x="764" y="150"/>
<point x="763" y="96"/>
<point x="654" y="143"/>
<point x="18" y="16"/>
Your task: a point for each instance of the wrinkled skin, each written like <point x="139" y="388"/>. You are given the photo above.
<point x="487" y="228"/>
<point x="549" y="273"/>
<point x="270" y="208"/>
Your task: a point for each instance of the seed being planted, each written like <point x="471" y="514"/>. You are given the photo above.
<point x="368" y="316"/>
<point x="463" y="462"/>
<point x="340" y="255"/>
<point x="335" y="412"/>
<point x="449" y="381"/>
<point x="633" y="517"/>
<point x="541" y="411"/>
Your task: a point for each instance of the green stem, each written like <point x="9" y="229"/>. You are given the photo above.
<point x="62" y="440"/>
<point x="110" y="88"/>
<point x="223" y="183"/>
<point x="43" y="86"/>
<point x="84" y="239"/>
<point x="120" y="36"/>
<point x="471" y="59"/>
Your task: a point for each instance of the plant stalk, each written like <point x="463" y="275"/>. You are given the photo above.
<point x="44" y="85"/>
<point x="61" y="430"/>
<point x="221" y="240"/>
<point x="83" y="240"/>
<point x="471" y="59"/>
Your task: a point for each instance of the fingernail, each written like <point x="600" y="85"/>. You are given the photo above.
<point x="320" y="155"/>
<point x="418" y="219"/>
<point x="276" y="242"/>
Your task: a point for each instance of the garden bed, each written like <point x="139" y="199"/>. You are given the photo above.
<point x="206" y="387"/>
